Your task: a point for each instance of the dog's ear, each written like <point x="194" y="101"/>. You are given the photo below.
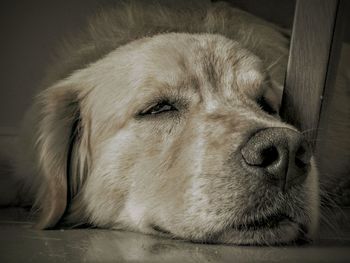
<point x="58" y="124"/>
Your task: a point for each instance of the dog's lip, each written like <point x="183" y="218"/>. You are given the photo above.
<point x="267" y="222"/>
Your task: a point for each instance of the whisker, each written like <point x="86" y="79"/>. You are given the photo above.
<point x="274" y="63"/>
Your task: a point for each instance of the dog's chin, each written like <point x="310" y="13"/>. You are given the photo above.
<point x="283" y="232"/>
<point x="274" y="230"/>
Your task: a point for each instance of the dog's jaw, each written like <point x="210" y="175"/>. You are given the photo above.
<point x="220" y="227"/>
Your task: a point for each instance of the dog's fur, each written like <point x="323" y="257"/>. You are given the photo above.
<point x="90" y="156"/>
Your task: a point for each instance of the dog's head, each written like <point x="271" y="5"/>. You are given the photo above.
<point x="177" y="135"/>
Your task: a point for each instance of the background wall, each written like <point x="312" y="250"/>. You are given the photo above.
<point x="30" y="30"/>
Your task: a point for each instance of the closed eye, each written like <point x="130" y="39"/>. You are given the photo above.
<point x="265" y="106"/>
<point x="159" y="108"/>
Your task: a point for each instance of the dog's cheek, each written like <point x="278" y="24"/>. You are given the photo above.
<point x="193" y="161"/>
<point x="159" y="175"/>
<point x="127" y="183"/>
<point x="109" y="181"/>
<point x="158" y="182"/>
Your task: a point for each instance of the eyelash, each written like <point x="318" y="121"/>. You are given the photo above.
<point x="158" y="109"/>
<point x="265" y="106"/>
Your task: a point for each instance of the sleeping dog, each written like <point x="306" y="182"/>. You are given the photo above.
<point x="165" y="120"/>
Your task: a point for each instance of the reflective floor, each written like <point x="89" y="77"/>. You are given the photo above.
<point x="19" y="242"/>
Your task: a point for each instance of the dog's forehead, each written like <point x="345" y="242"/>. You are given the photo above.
<point x="205" y="68"/>
<point x="210" y="63"/>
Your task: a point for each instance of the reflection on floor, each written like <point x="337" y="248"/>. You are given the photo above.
<point x="19" y="242"/>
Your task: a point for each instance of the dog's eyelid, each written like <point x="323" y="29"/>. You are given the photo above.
<point x="266" y="106"/>
<point x="158" y="108"/>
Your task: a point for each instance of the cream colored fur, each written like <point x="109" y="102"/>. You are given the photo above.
<point x="176" y="172"/>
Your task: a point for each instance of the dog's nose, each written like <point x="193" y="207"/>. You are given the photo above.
<point x="282" y="155"/>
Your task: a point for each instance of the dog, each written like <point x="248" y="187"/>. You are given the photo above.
<point x="164" y="120"/>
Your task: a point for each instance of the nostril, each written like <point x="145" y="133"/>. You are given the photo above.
<point x="302" y="156"/>
<point x="269" y="156"/>
<point x="299" y="163"/>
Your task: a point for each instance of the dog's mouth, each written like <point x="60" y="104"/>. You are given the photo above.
<point x="275" y="229"/>
<point x="269" y="222"/>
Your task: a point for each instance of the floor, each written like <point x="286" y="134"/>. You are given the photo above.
<point x="19" y="242"/>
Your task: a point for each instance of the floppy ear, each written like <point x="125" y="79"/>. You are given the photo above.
<point x="58" y="124"/>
